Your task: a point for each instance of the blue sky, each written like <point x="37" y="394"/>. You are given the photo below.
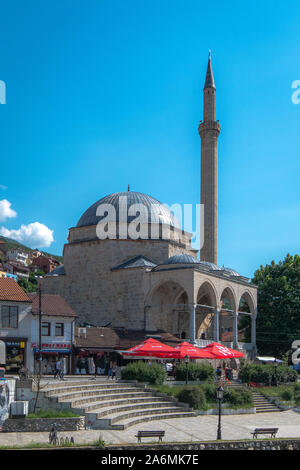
<point x="105" y="93"/>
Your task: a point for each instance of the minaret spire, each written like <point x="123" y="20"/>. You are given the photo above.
<point x="209" y="80"/>
<point x="209" y="130"/>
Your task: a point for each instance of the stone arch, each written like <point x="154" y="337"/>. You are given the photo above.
<point x="206" y="295"/>
<point x="246" y="298"/>
<point x="228" y="307"/>
<point x="167" y="308"/>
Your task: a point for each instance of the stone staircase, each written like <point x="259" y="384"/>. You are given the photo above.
<point x="114" y="405"/>
<point x="261" y="403"/>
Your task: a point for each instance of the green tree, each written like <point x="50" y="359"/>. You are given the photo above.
<point x="278" y="319"/>
<point x="31" y="284"/>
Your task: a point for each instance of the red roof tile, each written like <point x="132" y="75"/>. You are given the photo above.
<point x="53" y="305"/>
<point x="11" y="291"/>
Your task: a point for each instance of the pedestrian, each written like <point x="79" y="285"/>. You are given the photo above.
<point x="110" y="367"/>
<point x="114" y="369"/>
<point x="57" y="368"/>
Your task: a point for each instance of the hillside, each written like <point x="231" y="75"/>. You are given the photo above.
<point x="12" y="244"/>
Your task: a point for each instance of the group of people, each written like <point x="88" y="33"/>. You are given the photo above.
<point x="97" y="365"/>
<point x="225" y="370"/>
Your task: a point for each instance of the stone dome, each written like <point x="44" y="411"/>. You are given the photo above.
<point x="181" y="259"/>
<point x="212" y="266"/>
<point x="231" y="272"/>
<point x="154" y="212"/>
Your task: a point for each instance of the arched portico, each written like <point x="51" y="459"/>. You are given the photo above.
<point x="205" y="311"/>
<point x="167" y="308"/>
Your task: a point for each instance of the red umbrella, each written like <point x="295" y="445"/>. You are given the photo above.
<point x="150" y="348"/>
<point x="186" y="349"/>
<point x="222" y="352"/>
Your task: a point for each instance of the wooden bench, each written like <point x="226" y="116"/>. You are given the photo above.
<point x="159" y="434"/>
<point x="271" y="431"/>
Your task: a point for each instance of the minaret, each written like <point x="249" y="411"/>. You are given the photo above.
<point x="209" y="130"/>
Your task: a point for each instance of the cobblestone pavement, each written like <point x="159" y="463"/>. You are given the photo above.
<point x="199" y="428"/>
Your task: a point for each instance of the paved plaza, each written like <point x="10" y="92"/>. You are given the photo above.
<point x="201" y="428"/>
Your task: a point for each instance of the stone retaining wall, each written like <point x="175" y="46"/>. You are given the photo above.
<point x="44" y="424"/>
<point x="259" y="444"/>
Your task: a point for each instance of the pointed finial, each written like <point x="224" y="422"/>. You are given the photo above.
<point x="128" y="188"/>
<point x="209" y="80"/>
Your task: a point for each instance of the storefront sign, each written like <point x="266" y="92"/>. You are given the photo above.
<point x="55" y="347"/>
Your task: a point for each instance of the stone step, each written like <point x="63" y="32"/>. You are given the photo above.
<point x="115" y="418"/>
<point x="122" y="401"/>
<point x="136" y="408"/>
<point x="107" y="398"/>
<point x="87" y="393"/>
<point x="77" y="388"/>
<point x="126" y="423"/>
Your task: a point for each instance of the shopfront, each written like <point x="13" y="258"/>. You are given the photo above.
<point x="51" y="352"/>
<point x="87" y="361"/>
<point x="15" y="354"/>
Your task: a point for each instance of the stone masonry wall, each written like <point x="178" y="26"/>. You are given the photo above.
<point x="44" y="424"/>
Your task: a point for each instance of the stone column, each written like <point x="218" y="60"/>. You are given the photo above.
<point x="216" y="325"/>
<point x="193" y="324"/>
<point x="235" y="329"/>
<point x="253" y="328"/>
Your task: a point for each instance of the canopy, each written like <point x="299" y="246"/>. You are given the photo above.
<point x="186" y="349"/>
<point x="150" y="348"/>
<point x="221" y="352"/>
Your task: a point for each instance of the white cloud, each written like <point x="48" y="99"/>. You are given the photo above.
<point x="35" y="235"/>
<point x="2" y="186"/>
<point x="5" y="211"/>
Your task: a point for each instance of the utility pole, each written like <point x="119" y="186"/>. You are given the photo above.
<point x="40" y="330"/>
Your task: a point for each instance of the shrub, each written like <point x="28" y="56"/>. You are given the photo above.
<point x="238" y="396"/>
<point x="210" y="391"/>
<point x="142" y="372"/>
<point x="267" y="374"/>
<point x="194" y="396"/>
<point x="200" y="372"/>
<point x="287" y="394"/>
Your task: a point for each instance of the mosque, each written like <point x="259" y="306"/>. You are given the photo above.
<point x="154" y="281"/>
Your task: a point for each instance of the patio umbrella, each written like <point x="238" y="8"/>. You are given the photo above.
<point x="150" y="348"/>
<point x="186" y="349"/>
<point x="219" y="351"/>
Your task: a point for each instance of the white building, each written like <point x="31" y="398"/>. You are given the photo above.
<point x="17" y="255"/>
<point x="19" y="328"/>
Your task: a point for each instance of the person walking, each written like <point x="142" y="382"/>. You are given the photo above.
<point x="57" y="368"/>
<point x="114" y="369"/>
<point x="110" y="367"/>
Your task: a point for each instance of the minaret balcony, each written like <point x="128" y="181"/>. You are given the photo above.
<point x="209" y="126"/>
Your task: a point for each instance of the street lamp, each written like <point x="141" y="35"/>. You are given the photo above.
<point x="186" y="369"/>
<point x="220" y="395"/>
<point x="276" y="381"/>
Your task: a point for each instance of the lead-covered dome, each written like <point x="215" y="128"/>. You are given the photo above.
<point x="181" y="259"/>
<point x="152" y="211"/>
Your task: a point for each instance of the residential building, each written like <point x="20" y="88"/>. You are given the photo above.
<point x="15" y="324"/>
<point x="58" y="330"/>
<point x="44" y="263"/>
<point x="17" y="255"/>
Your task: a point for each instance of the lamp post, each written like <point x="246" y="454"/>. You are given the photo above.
<point x="220" y="395"/>
<point x="276" y="381"/>
<point x="186" y="369"/>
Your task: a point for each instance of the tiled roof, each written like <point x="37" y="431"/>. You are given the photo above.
<point x="118" y="338"/>
<point x="52" y="305"/>
<point x="11" y="291"/>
